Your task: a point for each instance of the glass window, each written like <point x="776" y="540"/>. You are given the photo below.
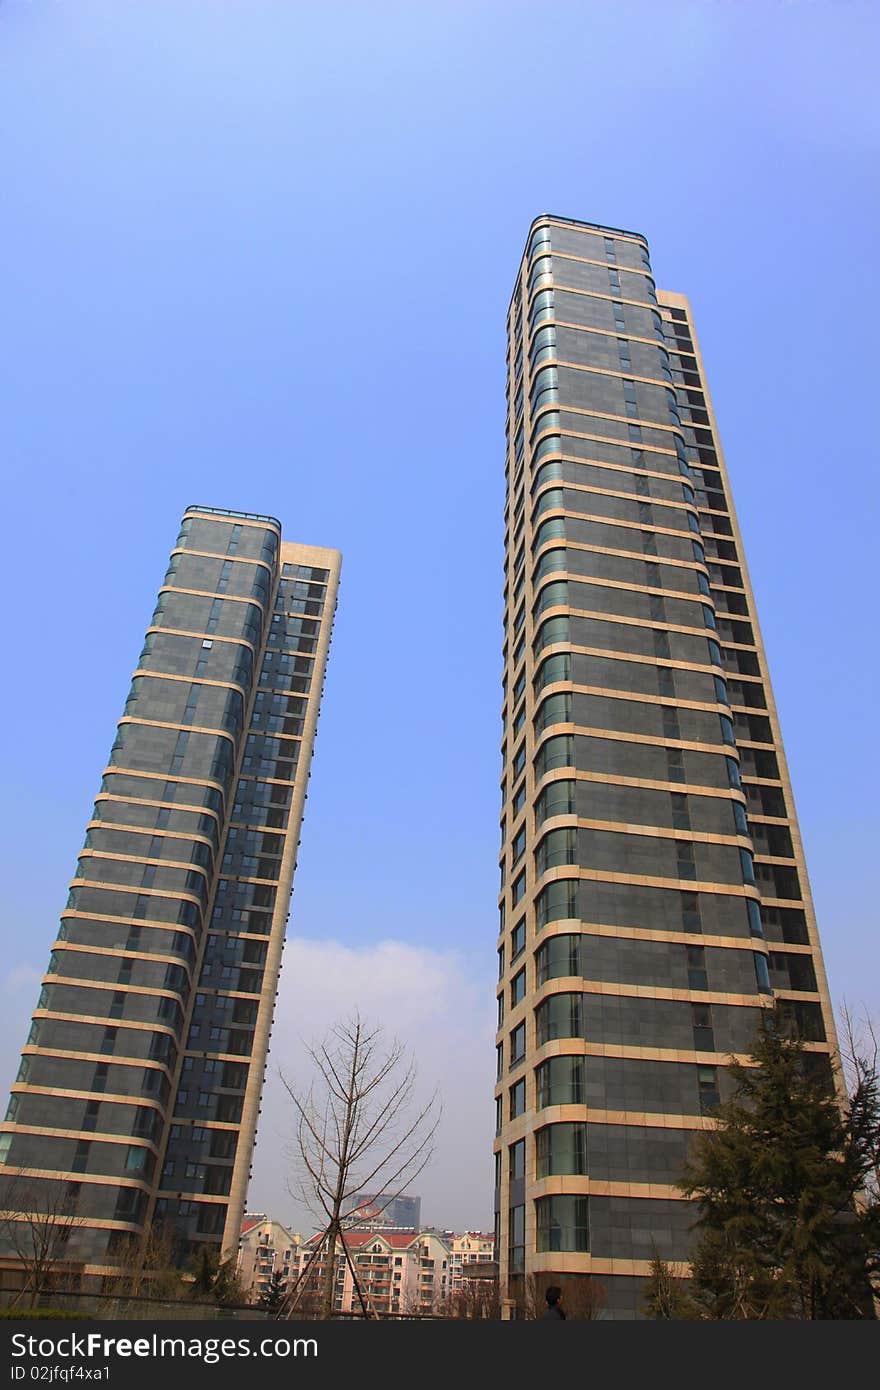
<point x="556" y="902"/>
<point x="686" y="865"/>
<point x="519" y="887"/>
<point x="518" y="939"/>
<point x="560" y="1081"/>
<point x="704" y="1034"/>
<point x="553" y="595"/>
<point x="666" y="681"/>
<point x="518" y="988"/>
<point x="556" y="709"/>
<point x="761" y="973"/>
<point x="553" y="529"/>
<point x="557" y="799"/>
<point x="690" y="911"/>
<point x="553" y="498"/>
<point x="755" y="925"/>
<point x="561" y="1149"/>
<point x="555" y="668"/>
<point x="560" y="1016"/>
<point x="557" y="957"/>
<point x="518" y="1098"/>
<point x="557" y="847"/>
<point x="551" y="562"/>
<point x="552" y="631"/>
<point x="543" y="346"/>
<point x="547" y="473"/>
<point x="541" y="267"/>
<point x="550" y="444"/>
<point x="707" y="1083"/>
<point x="562" y="1223"/>
<point x="696" y="962"/>
<point x="539" y="239"/>
<point x="516" y="1242"/>
<point x="542" y="307"/>
<point x="548" y="419"/>
<point x="517" y="1160"/>
<point x="517" y="1044"/>
<point x="558" y="751"/>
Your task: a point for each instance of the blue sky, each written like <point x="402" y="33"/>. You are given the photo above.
<point x="258" y="255"/>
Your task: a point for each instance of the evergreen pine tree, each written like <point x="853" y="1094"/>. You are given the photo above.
<point x="272" y="1298"/>
<point x="782" y="1232"/>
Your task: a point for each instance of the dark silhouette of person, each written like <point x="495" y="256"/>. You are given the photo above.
<point x="554" y="1303"/>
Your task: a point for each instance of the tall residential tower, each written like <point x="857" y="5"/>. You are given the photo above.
<point x="140" y="1081"/>
<point x="654" y="896"/>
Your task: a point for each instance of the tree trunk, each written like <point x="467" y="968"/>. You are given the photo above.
<point x="329" y="1270"/>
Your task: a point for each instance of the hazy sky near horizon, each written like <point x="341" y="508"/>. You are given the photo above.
<point x="258" y="255"/>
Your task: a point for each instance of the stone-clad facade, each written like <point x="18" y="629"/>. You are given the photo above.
<point x="654" y="897"/>
<point x="140" y="1080"/>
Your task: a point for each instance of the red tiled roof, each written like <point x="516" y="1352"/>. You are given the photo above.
<point x="356" y="1240"/>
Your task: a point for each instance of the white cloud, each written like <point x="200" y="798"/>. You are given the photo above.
<point x="21" y="980"/>
<point x="435" y="1004"/>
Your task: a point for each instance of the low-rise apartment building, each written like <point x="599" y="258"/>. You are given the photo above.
<point x="266" y="1248"/>
<point x="469" y="1254"/>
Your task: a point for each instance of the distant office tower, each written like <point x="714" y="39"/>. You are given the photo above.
<point x="384" y="1209"/>
<point x="139" y="1087"/>
<point x="654" y="893"/>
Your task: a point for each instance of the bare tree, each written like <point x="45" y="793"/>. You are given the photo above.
<point x="477" y="1297"/>
<point x="861" y="1069"/>
<point x="147" y="1265"/>
<point x="583" y="1297"/>
<point x="36" y="1220"/>
<point x="359" y="1128"/>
